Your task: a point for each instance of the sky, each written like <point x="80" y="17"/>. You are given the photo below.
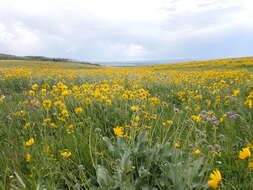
<point x="124" y="30"/>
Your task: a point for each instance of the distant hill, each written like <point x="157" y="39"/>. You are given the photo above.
<point x="212" y="64"/>
<point x="38" y="58"/>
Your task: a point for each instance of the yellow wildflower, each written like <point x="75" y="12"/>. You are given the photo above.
<point x="177" y="145"/>
<point x="87" y="101"/>
<point x="153" y="116"/>
<point x="78" y="110"/>
<point x="249" y="103"/>
<point x="135" y="108"/>
<point x="28" y="157"/>
<point x="208" y="102"/>
<point x="20" y="113"/>
<point x="27" y="125"/>
<point x="197" y="151"/>
<point x="60" y="105"/>
<point x="53" y="125"/>
<point x="35" y="87"/>
<point x="250" y="146"/>
<point x="196" y="118"/>
<point x="43" y="92"/>
<point x="2" y="97"/>
<point x="47" y="120"/>
<point x="134" y="124"/>
<point x="65" y="113"/>
<point x="66" y="154"/>
<point x="137" y="118"/>
<point x="30" y="142"/>
<point x="66" y="93"/>
<point x="71" y="126"/>
<point x="147" y="127"/>
<point x="250" y="165"/>
<point x="31" y="93"/>
<point x="168" y="122"/>
<point x="45" y="85"/>
<point x="198" y="97"/>
<point x="215" y="179"/>
<point x="46" y="104"/>
<point x="61" y="119"/>
<point x="69" y="131"/>
<point x="236" y="92"/>
<point x="108" y="102"/>
<point x="155" y="100"/>
<point x="244" y="153"/>
<point x="118" y="131"/>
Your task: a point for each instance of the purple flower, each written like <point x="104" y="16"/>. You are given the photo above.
<point x="232" y="115"/>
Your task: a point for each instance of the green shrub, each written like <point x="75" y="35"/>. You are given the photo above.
<point x="142" y="166"/>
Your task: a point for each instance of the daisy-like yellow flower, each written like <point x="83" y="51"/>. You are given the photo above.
<point x="108" y="102"/>
<point x="66" y="154"/>
<point x="70" y="131"/>
<point x="153" y="116"/>
<point x="250" y="165"/>
<point x="198" y="97"/>
<point x="196" y="118"/>
<point x="168" y="122"/>
<point x="87" y="101"/>
<point x="78" y="110"/>
<point x="47" y="120"/>
<point x="249" y="103"/>
<point x="70" y="126"/>
<point x="147" y="127"/>
<point x="53" y="125"/>
<point x="20" y="113"/>
<point x="26" y="125"/>
<point x="35" y="86"/>
<point x="177" y="145"/>
<point x="45" y="85"/>
<point x="30" y="142"/>
<point x="118" y="131"/>
<point x="65" y="113"/>
<point x="215" y="179"/>
<point x="135" y="108"/>
<point x="46" y="104"/>
<point x="137" y="118"/>
<point x="28" y="157"/>
<point x="31" y="93"/>
<point x="43" y="92"/>
<point x="60" y="105"/>
<point x="61" y="119"/>
<point x="244" y="153"/>
<point x="236" y="92"/>
<point x="250" y="146"/>
<point x="2" y="98"/>
<point x="197" y="151"/>
<point x="134" y="124"/>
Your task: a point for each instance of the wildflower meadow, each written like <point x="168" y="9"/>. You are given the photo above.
<point x="67" y="125"/>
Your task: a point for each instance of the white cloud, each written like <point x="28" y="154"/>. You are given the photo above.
<point x="135" y="51"/>
<point x="19" y="39"/>
<point x="117" y="29"/>
<point x="4" y="35"/>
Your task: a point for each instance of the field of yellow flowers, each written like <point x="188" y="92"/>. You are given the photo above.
<point x="76" y="126"/>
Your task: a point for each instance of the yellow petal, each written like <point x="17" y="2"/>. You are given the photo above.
<point x="213" y="183"/>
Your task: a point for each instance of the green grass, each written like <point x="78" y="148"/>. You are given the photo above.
<point x="147" y="160"/>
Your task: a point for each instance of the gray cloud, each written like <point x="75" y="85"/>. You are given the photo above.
<point x="159" y="31"/>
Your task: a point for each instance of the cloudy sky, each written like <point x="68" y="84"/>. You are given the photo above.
<point x="120" y="30"/>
